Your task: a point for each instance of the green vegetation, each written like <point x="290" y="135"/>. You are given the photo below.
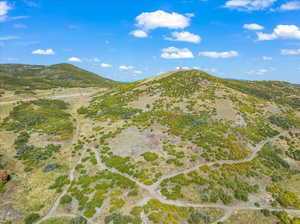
<point x="32" y="155"/>
<point x="32" y="218"/>
<point x="28" y="77"/>
<point x="120" y="219"/>
<point x="182" y="120"/>
<point x="160" y="213"/>
<point x="78" y="220"/>
<point x="150" y="156"/>
<point x="60" y="182"/>
<point x="282" y="122"/>
<point x="91" y="191"/>
<point x="66" y="199"/>
<point x="43" y="116"/>
<point x="280" y="92"/>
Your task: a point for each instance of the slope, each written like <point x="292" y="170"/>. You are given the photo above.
<point x="20" y="77"/>
<point x="183" y="147"/>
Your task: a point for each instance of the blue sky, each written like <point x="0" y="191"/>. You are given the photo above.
<point x="135" y="39"/>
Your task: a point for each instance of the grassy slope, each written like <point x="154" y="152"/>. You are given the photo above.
<point x="19" y="77"/>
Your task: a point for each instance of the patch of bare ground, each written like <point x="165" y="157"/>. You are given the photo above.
<point x="133" y="142"/>
<point x="250" y="217"/>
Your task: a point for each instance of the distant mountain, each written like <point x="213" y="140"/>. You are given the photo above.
<point x="20" y="77"/>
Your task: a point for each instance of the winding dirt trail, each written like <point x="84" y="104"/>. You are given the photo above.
<point x="52" y="212"/>
<point x="152" y="189"/>
<point x="155" y="193"/>
<point x="254" y="151"/>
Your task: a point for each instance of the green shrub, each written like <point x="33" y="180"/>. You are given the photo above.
<point x="78" y="220"/>
<point x="117" y="218"/>
<point x="282" y="122"/>
<point x="66" y="199"/>
<point x="32" y="218"/>
<point x="150" y="156"/>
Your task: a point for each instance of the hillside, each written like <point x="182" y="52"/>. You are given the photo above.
<point x="20" y="77"/>
<point x="183" y="147"/>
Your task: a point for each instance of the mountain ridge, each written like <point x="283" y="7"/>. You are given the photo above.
<point x="23" y="76"/>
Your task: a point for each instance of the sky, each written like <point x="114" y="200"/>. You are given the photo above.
<point x="131" y="40"/>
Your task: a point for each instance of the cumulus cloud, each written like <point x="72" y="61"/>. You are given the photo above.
<point x="184" y="37"/>
<point x="139" y="33"/>
<point x="249" y="5"/>
<point x="267" y="58"/>
<point x="253" y="26"/>
<point x="281" y="31"/>
<point x="74" y="59"/>
<point x="176" y="53"/>
<point x="214" y="54"/>
<point x="44" y="52"/>
<point x="162" y="19"/>
<point x="289" y="6"/>
<point x="290" y="51"/>
<point x="4" y="8"/>
<point x="126" y="68"/>
<point x="104" y="65"/>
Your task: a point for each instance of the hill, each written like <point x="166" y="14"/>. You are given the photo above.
<point x="183" y="147"/>
<point x="20" y="77"/>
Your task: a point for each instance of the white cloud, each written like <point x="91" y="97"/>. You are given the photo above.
<point x="20" y="26"/>
<point x="265" y="36"/>
<point x="253" y="26"/>
<point x="184" y="37"/>
<point x="293" y="5"/>
<point x="281" y="31"/>
<point x="139" y="33"/>
<point x="44" y="52"/>
<point x="137" y="72"/>
<point x="126" y="68"/>
<point x="182" y="68"/>
<point x="4" y="8"/>
<point x="9" y="38"/>
<point x="91" y="59"/>
<point x="176" y="53"/>
<point x="267" y="58"/>
<point x="249" y="5"/>
<point x="290" y="51"/>
<point x="214" y="54"/>
<point x="258" y="72"/>
<point x="104" y="65"/>
<point x="9" y="59"/>
<point x="74" y="59"/>
<point x="162" y="19"/>
<point x="30" y="3"/>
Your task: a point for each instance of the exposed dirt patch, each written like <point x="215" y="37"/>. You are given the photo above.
<point x="250" y="217"/>
<point x="225" y="109"/>
<point x="132" y="142"/>
<point x="143" y="102"/>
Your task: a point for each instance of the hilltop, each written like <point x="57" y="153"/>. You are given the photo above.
<point x="20" y="77"/>
<point x="183" y="147"/>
